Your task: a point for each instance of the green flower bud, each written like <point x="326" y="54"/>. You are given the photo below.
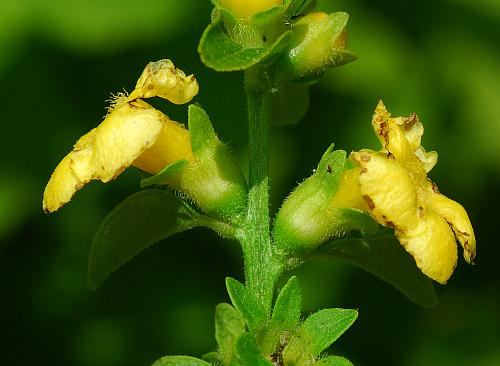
<point x="318" y="43"/>
<point x="326" y="205"/>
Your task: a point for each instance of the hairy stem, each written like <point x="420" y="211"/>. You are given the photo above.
<point x="261" y="268"/>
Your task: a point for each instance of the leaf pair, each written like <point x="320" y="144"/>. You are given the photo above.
<point x="282" y="337"/>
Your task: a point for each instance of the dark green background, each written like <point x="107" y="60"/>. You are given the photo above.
<point x="59" y="62"/>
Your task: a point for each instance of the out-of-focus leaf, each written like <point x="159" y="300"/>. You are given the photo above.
<point x="180" y="361"/>
<point x="141" y="220"/>
<point x="229" y="326"/>
<point x="384" y="257"/>
<point x="317" y="333"/>
<point x="290" y="102"/>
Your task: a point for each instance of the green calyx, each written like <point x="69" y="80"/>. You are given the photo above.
<point x="310" y="215"/>
<point x="318" y="43"/>
<point x="213" y="179"/>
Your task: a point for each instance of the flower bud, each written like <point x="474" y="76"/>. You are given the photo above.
<point x="247" y="8"/>
<point x="318" y="43"/>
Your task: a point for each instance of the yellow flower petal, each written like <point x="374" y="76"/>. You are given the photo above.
<point x="103" y="153"/>
<point x="162" y="79"/>
<point x="173" y="144"/>
<point x="457" y="218"/>
<point x="61" y="187"/>
<point x="432" y="243"/>
<point x="388" y="190"/>
<point x="123" y="136"/>
<point x="401" y="137"/>
<point x="348" y="193"/>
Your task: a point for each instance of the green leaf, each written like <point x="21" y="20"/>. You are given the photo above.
<point x="334" y="361"/>
<point x="229" y="326"/>
<point x="220" y="52"/>
<point x="317" y="333"/>
<point x="180" y="361"/>
<point x="286" y="311"/>
<point x="201" y="129"/>
<point x="141" y="220"/>
<point x="169" y="172"/>
<point x="246" y="303"/>
<point x="383" y="256"/>
<point x="285" y="315"/>
<point x="248" y="352"/>
<point x="290" y="102"/>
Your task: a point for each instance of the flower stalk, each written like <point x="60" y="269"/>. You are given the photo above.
<point x="261" y="268"/>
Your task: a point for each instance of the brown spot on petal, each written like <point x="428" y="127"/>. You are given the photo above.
<point x="363" y="170"/>
<point x="384" y="132"/>
<point x="369" y="202"/>
<point x="389" y="155"/>
<point x="390" y="224"/>
<point x="365" y="157"/>
<point x="410" y="120"/>
<point x="434" y="186"/>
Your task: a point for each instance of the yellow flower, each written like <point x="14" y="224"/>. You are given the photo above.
<point x="248" y="8"/>
<point x="396" y="191"/>
<point x="133" y="133"/>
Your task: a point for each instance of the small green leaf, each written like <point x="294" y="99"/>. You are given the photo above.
<point x="201" y="129"/>
<point x="248" y="352"/>
<point x="290" y="102"/>
<point x="317" y="333"/>
<point x="141" y="220"/>
<point x="229" y="326"/>
<point x="180" y="361"/>
<point x="246" y="303"/>
<point x="286" y="311"/>
<point x="384" y="257"/>
<point x="169" y="172"/>
<point x="218" y="51"/>
<point x="334" y="361"/>
<point x="285" y="315"/>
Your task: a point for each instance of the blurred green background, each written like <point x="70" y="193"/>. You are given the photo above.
<point x="59" y="62"/>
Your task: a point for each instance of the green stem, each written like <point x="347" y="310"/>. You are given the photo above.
<point x="261" y="268"/>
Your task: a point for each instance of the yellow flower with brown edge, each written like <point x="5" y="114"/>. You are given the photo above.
<point x="134" y="133"/>
<point x="396" y="191"/>
<point x="392" y="186"/>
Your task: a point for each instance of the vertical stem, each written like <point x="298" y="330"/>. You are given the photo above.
<point x="261" y="269"/>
